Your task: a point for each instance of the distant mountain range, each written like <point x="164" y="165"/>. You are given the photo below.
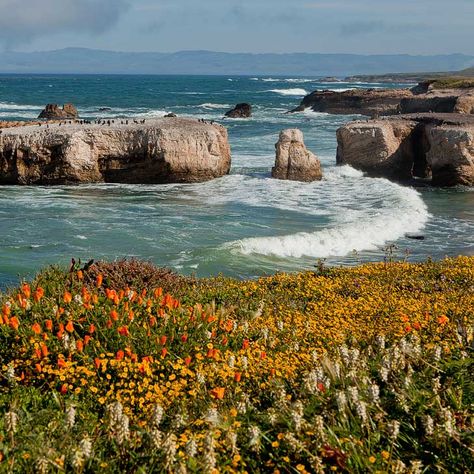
<point x="91" y="61"/>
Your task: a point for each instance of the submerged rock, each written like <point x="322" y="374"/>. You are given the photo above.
<point x="54" y="112"/>
<point x="293" y="160"/>
<point x="159" y="151"/>
<point x="439" y="147"/>
<point x="242" y="110"/>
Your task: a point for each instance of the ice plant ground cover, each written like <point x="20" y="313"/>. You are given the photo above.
<point x="124" y="367"/>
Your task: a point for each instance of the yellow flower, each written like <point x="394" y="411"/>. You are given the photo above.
<point x="385" y="454"/>
<point x="275" y="444"/>
<point x="372" y="459"/>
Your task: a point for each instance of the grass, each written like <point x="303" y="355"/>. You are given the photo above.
<point x="452" y="83"/>
<point x="125" y="367"/>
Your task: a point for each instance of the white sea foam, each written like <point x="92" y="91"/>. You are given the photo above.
<point x="12" y="106"/>
<point x="386" y="212"/>
<point x="288" y="91"/>
<point x="209" y="105"/>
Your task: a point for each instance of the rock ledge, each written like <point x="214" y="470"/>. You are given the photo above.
<point x="160" y="151"/>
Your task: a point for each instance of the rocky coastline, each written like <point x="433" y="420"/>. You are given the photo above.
<point x="379" y="102"/>
<point x="169" y="150"/>
<point x="438" y="148"/>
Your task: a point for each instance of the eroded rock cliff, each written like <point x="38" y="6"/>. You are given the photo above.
<point x="158" y="151"/>
<point x="439" y="147"/>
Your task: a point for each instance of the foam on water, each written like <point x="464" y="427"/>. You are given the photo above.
<point x="214" y="106"/>
<point x="288" y="91"/>
<point x="386" y="213"/>
<point x="12" y="106"/>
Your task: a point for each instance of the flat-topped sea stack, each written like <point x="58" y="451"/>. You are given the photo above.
<point x="171" y="150"/>
<point x="293" y="160"/>
<point x="436" y="147"/>
<point x="376" y="102"/>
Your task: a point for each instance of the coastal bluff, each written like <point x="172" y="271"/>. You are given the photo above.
<point x="167" y="150"/>
<point x="422" y="98"/>
<point x="436" y="147"/>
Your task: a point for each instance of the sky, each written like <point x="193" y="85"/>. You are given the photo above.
<point x="325" y="26"/>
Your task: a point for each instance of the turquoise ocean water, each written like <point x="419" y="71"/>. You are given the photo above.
<point x="244" y="224"/>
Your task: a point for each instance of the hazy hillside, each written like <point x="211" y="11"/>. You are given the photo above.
<point x="87" y="61"/>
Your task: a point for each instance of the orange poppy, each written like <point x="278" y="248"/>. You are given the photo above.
<point x="70" y="326"/>
<point x="218" y="393"/>
<point x="44" y="350"/>
<point x="36" y="328"/>
<point x="14" y="323"/>
<point x="442" y="320"/>
<point x="26" y="290"/>
<point x="49" y="324"/>
<point x="39" y="293"/>
<point x="67" y="297"/>
<point x="123" y="331"/>
<point x="98" y="280"/>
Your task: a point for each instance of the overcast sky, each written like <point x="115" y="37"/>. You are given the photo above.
<point x="327" y="26"/>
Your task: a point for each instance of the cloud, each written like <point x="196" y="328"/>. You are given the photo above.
<point x="21" y="21"/>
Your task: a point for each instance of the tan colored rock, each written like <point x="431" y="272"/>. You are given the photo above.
<point x="451" y="154"/>
<point x="440" y="146"/>
<point x="54" y="112"/>
<point x="293" y="160"/>
<point x="377" y="147"/>
<point x="159" y="151"/>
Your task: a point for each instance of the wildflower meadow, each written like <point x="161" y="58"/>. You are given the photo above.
<point x="124" y="367"/>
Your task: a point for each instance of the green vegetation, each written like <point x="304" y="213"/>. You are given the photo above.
<point x="452" y="82"/>
<point x="124" y="367"/>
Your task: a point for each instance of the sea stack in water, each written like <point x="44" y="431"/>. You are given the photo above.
<point x="171" y="150"/>
<point x="54" y="112"/>
<point x="243" y="110"/>
<point x="439" y="147"/>
<point x="293" y="160"/>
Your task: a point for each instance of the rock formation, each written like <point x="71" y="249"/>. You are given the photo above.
<point x="243" y="110"/>
<point x="159" y="151"/>
<point x="439" y="147"/>
<point x="293" y="160"/>
<point x="54" y="112"/>
<point x="374" y="102"/>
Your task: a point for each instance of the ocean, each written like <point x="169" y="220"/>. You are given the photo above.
<point x="242" y="225"/>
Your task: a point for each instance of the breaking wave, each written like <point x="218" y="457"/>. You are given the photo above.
<point x="387" y="212"/>
<point x="299" y="92"/>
